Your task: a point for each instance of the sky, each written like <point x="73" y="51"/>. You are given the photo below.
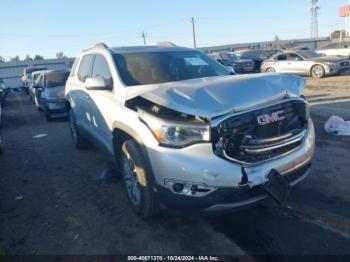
<point x="47" y="26"/>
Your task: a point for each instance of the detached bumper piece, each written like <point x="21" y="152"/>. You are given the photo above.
<point x="278" y="187"/>
<point x="228" y="199"/>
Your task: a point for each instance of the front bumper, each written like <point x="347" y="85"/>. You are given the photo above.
<point x="56" y="109"/>
<point x="198" y="164"/>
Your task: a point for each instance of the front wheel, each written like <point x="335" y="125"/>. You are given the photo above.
<point x="137" y="181"/>
<point x="317" y="71"/>
<point x="270" y="70"/>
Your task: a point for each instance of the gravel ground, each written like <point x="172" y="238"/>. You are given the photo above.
<point x="52" y="200"/>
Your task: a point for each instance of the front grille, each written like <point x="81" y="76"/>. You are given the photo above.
<point x="345" y="63"/>
<point x="241" y="138"/>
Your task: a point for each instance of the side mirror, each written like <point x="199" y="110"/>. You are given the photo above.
<point x="96" y="83"/>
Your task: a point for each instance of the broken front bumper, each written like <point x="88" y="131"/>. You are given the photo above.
<point x="198" y="164"/>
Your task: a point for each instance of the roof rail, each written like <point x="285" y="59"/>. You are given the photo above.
<point x="165" y="43"/>
<point x="101" y="45"/>
<point x="98" y="45"/>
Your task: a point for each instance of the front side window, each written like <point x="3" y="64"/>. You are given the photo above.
<point x="161" y="67"/>
<point x="293" y="57"/>
<point x="85" y="67"/>
<point x="101" y="69"/>
<point x="56" y="79"/>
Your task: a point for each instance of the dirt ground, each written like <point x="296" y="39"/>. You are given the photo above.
<point x="52" y="200"/>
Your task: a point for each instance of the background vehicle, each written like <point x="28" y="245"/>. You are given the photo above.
<point x="258" y="56"/>
<point x="26" y="76"/>
<point x="239" y="65"/>
<point x="166" y="117"/>
<point x="0" y="131"/>
<point x="305" y="62"/>
<point x="34" y="78"/>
<point x="49" y="93"/>
<point x="3" y="92"/>
<point x="336" y="49"/>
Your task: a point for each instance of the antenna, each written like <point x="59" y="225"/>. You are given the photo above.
<point x="314" y="18"/>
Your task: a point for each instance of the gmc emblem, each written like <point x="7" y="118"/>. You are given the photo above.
<point x="268" y="119"/>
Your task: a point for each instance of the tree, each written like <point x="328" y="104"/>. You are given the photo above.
<point x="28" y="58"/>
<point x="276" y="41"/>
<point x="38" y="57"/>
<point x="14" y="58"/>
<point x="2" y="59"/>
<point x="337" y="34"/>
<point x="60" y="55"/>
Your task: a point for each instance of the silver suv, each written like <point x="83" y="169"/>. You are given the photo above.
<point x="185" y="134"/>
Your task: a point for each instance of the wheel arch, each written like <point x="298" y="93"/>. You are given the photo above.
<point x="318" y="64"/>
<point x="121" y="133"/>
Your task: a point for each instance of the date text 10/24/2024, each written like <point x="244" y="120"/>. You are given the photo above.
<point x="173" y="258"/>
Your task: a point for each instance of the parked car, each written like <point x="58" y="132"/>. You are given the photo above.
<point x="49" y="93"/>
<point x="229" y="59"/>
<point x="306" y="62"/>
<point x="258" y="55"/>
<point x="26" y="76"/>
<point x="34" y="78"/>
<point x="185" y="135"/>
<point x="1" y="150"/>
<point x="336" y="49"/>
<point x="3" y="92"/>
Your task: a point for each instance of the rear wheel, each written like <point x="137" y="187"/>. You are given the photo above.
<point x="78" y="140"/>
<point x="137" y="181"/>
<point x="270" y="70"/>
<point x="317" y="71"/>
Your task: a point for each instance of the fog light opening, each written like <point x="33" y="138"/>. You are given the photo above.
<point x="178" y="187"/>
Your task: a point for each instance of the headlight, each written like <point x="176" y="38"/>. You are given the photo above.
<point x="330" y="63"/>
<point x="175" y="133"/>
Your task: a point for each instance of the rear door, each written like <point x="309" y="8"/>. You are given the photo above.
<point x="281" y="63"/>
<point x="79" y="95"/>
<point x="98" y="105"/>
<point x="296" y="64"/>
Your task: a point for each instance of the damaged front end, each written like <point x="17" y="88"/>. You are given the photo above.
<point x="224" y="160"/>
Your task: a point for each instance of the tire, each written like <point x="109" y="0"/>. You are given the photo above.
<point x="317" y="71"/>
<point x="78" y="141"/>
<point x="270" y="70"/>
<point x="48" y="117"/>
<point x="1" y="149"/>
<point x="137" y="181"/>
<point x="36" y="102"/>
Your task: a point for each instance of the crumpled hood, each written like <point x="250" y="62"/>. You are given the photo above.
<point x="214" y="96"/>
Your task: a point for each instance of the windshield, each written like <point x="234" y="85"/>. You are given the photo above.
<point x="309" y="54"/>
<point x="161" y="67"/>
<point x="31" y="70"/>
<point x="229" y="56"/>
<point x="56" y="79"/>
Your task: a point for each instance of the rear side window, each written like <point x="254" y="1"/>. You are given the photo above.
<point x="282" y="57"/>
<point x="101" y="69"/>
<point x="85" y="67"/>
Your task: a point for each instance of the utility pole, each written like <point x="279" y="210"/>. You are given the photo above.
<point x="143" y="35"/>
<point x="193" y="32"/>
<point x="314" y="18"/>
